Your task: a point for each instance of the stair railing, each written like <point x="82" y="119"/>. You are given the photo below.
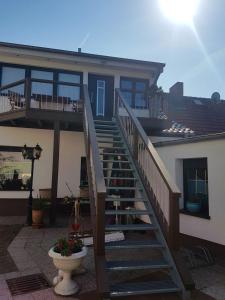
<point x="97" y="193"/>
<point x="162" y="191"/>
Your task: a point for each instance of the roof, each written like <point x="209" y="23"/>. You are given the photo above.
<point x="83" y="54"/>
<point x="192" y="115"/>
<point x="194" y="139"/>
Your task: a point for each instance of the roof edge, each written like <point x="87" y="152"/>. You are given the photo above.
<point x="80" y="54"/>
<point x="189" y="140"/>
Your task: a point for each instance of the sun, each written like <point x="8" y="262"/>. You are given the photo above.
<point x="179" y="11"/>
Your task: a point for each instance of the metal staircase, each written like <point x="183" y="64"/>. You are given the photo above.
<point x="144" y="250"/>
<point x="131" y="192"/>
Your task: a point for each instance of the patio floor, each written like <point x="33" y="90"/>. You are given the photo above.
<point x="28" y="254"/>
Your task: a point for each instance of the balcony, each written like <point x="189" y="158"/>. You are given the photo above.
<point x="19" y="100"/>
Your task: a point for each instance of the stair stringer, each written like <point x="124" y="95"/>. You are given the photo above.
<point x="159" y="233"/>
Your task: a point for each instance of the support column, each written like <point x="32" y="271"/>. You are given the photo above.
<point x="55" y="170"/>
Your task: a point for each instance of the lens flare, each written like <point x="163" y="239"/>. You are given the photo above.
<point x="179" y="11"/>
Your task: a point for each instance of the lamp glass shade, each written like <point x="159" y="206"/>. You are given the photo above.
<point x="37" y="152"/>
<point x="25" y="151"/>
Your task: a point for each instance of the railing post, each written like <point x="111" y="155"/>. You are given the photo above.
<point x="116" y="103"/>
<point x="27" y="93"/>
<point x="174" y="222"/>
<point x="100" y="224"/>
<point x="135" y="144"/>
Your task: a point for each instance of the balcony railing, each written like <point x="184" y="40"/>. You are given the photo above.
<point x="18" y="96"/>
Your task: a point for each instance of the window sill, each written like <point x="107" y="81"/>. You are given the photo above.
<point x="198" y="215"/>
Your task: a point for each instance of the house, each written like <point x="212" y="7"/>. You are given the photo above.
<point x="194" y="157"/>
<point x="98" y="111"/>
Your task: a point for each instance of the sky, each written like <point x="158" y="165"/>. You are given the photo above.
<point x="127" y="28"/>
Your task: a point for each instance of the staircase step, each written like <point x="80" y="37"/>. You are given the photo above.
<point x="104" y="121"/>
<point x="127" y="212"/>
<point x="133" y="188"/>
<point x="121" y="178"/>
<point x="115" y="161"/>
<point x="129" y="227"/>
<point x="106" y="126"/>
<point x="114" y="154"/>
<point x="111" y="136"/>
<point x="110" y="142"/>
<point x="116" y="148"/>
<point x="133" y="244"/>
<point x="143" y="288"/>
<point x="108" y="199"/>
<point x="123" y="265"/>
<point x="117" y="169"/>
<point x="107" y="131"/>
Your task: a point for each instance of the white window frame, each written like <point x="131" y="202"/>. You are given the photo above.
<point x="97" y="103"/>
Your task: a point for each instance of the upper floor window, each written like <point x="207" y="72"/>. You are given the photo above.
<point x="39" y="74"/>
<point x="69" y="78"/>
<point x="196" y="186"/>
<point x="135" y="92"/>
<point x="10" y="75"/>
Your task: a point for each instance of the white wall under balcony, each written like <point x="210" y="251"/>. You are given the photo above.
<point x="71" y="150"/>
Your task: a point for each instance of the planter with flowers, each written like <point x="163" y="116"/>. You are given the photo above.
<point x="67" y="255"/>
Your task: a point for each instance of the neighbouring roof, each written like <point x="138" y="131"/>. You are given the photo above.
<point x="194" y="116"/>
<point x="193" y="139"/>
<point x="83" y="54"/>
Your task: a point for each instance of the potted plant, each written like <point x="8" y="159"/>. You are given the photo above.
<point x="195" y="203"/>
<point x="38" y="207"/>
<point x="67" y="255"/>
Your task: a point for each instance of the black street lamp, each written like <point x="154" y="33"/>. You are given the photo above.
<point x="32" y="154"/>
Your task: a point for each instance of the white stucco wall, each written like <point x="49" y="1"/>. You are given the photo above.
<point x="71" y="150"/>
<point x="213" y="229"/>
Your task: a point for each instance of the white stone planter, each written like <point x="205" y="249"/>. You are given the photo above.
<point x="67" y="264"/>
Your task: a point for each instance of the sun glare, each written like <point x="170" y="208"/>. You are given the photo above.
<point x="179" y="11"/>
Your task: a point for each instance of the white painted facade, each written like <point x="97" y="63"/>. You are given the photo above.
<point x="71" y="150"/>
<point x="71" y="143"/>
<point x="172" y="155"/>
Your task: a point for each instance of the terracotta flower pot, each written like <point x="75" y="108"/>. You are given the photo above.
<point x="37" y="218"/>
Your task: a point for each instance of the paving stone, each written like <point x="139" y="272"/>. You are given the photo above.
<point x="23" y="297"/>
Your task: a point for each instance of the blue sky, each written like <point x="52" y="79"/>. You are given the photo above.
<point x="127" y="28"/>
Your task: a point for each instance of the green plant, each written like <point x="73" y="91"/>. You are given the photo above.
<point x="68" y="247"/>
<point x="40" y="203"/>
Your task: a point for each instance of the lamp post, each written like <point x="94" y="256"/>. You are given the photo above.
<point x="32" y="154"/>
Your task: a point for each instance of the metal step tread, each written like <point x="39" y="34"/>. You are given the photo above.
<point x="104" y="121"/>
<point x="106" y="126"/>
<point x="114" y="154"/>
<point x="117" y="227"/>
<point x="111" y="136"/>
<point x="126" y="199"/>
<point x="106" y="130"/>
<point x="110" y="142"/>
<point x="123" y="265"/>
<point x="116" y="161"/>
<point x="127" y="212"/>
<point x="106" y="147"/>
<point x="134" y="244"/>
<point x="143" y="288"/>
<point x="117" y="169"/>
<point x="122" y="178"/>
<point x="133" y="188"/>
